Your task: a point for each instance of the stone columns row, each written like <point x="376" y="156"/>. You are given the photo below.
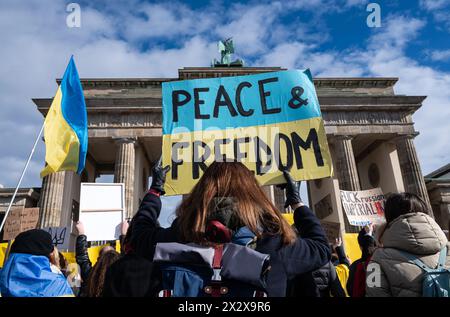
<point x="124" y="170"/>
<point x="410" y="166"/>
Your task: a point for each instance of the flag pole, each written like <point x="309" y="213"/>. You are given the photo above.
<point x="21" y="176"/>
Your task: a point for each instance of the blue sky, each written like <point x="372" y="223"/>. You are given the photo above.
<point x="153" y="39"/>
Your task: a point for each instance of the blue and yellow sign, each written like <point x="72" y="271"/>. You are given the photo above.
<point x="266" y="121"/>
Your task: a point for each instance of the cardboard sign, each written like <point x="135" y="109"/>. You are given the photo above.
<point x="19" y="220"/>
<point x="60" y="236"/>
<point x="266" y="121"/>
<point x="102" y="208"/>
<point x="363" y="207"/>
<point x="332" y="230"/>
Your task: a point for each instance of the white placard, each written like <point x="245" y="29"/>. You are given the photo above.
<point x="364" y="206"/>
<point x="102" y="209"/>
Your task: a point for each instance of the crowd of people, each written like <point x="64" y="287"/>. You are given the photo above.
<point x="228" y="239"/>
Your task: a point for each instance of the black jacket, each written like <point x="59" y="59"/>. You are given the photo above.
<point x="82" y="257"/>
<point x="319" y="283"/>
<point x="322" y="282"/>
<point x="306" y="254"/>
<point x="132" y="276"/>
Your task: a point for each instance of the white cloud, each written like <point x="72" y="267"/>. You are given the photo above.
<point x="385" y="56"/>
<point x="440" y="55"/>
<point x="440" y="10"/>
<point x="434" y="4"/>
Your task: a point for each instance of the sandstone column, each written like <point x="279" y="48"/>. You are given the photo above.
<point x="51" y="200"/>
<point x="124" y="170"/>
<point x="410" y="166"/>
<point x="346" y="170"/>
<point x="345" y="163"/>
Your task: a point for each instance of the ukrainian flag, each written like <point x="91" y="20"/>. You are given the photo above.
<point x="65" y="127"/>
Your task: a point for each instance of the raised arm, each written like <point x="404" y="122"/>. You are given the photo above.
<point x="146" y="231"/>
<point x="310" y="251"/>
<point x="81" y="252"/>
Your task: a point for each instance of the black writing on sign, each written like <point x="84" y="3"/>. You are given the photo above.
<point x="266" y="154"/>
<point x="180" y="98"/>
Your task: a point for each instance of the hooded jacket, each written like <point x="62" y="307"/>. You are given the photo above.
<point x="417" y="234"/>
<point x="27" y="275"/>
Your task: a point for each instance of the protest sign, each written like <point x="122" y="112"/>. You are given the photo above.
<point x="20" y="219"/>
<point x="363" y="207"/>
<point x="332" y="230"/>
<point x="60" y="236"/>
<point x="102" y="209"/>
<point x="266" y="121"/>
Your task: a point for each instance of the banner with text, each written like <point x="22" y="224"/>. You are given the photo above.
<point x="363" y="207"/>
<point x="266" y="121"/>
<point x="20" y="219"/>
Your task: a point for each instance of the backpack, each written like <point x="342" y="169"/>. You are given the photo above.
<point x="220" y="270"/>
<point x="436" y="281"/>
<point x="359" y="281"/>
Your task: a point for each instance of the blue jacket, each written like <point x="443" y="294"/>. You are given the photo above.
<point x="26" y="275"/>
<point x="306" y="254"/>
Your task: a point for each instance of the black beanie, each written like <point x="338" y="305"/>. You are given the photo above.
<point x="34" y="241"/>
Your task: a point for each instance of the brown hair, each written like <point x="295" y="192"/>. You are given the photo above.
<point x="95" y="281"/>
<point x="403" y="203"/>
<point x="230" y="179"/>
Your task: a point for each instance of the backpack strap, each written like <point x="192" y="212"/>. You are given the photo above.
<point x="442" y="258"/>
<point x="217" y="262"/>
<point x="216" y="289"/>
<point x="415" y="260"/>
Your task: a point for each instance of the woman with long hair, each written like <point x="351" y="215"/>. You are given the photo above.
<point x="229" y="193"/>
<point x="96" y="279"/>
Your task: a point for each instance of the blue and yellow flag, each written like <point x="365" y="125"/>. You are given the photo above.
<point x="65" y="130"/>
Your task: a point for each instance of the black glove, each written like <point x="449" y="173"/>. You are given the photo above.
<point x="159" y="177"/>
<point x="292" y="190"/>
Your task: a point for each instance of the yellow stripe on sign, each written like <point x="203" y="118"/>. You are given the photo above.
<point x="303" y="143"/>
<point x="61" y="142"/>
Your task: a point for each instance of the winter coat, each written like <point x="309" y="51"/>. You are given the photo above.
<point x="132" y="276"/>
<point x="417" y="234"/>
<point x="304" y="255"/>
<point x="319" y="283"/>
<point x="322" y="282"/>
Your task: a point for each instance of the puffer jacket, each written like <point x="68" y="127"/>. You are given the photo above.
<point x="417" y="234"/>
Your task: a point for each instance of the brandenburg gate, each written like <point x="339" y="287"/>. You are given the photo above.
<point x="370" y="132"/>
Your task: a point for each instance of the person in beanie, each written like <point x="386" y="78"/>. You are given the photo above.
<point x="28" y="272"/>
<point x="356" y="283"/>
